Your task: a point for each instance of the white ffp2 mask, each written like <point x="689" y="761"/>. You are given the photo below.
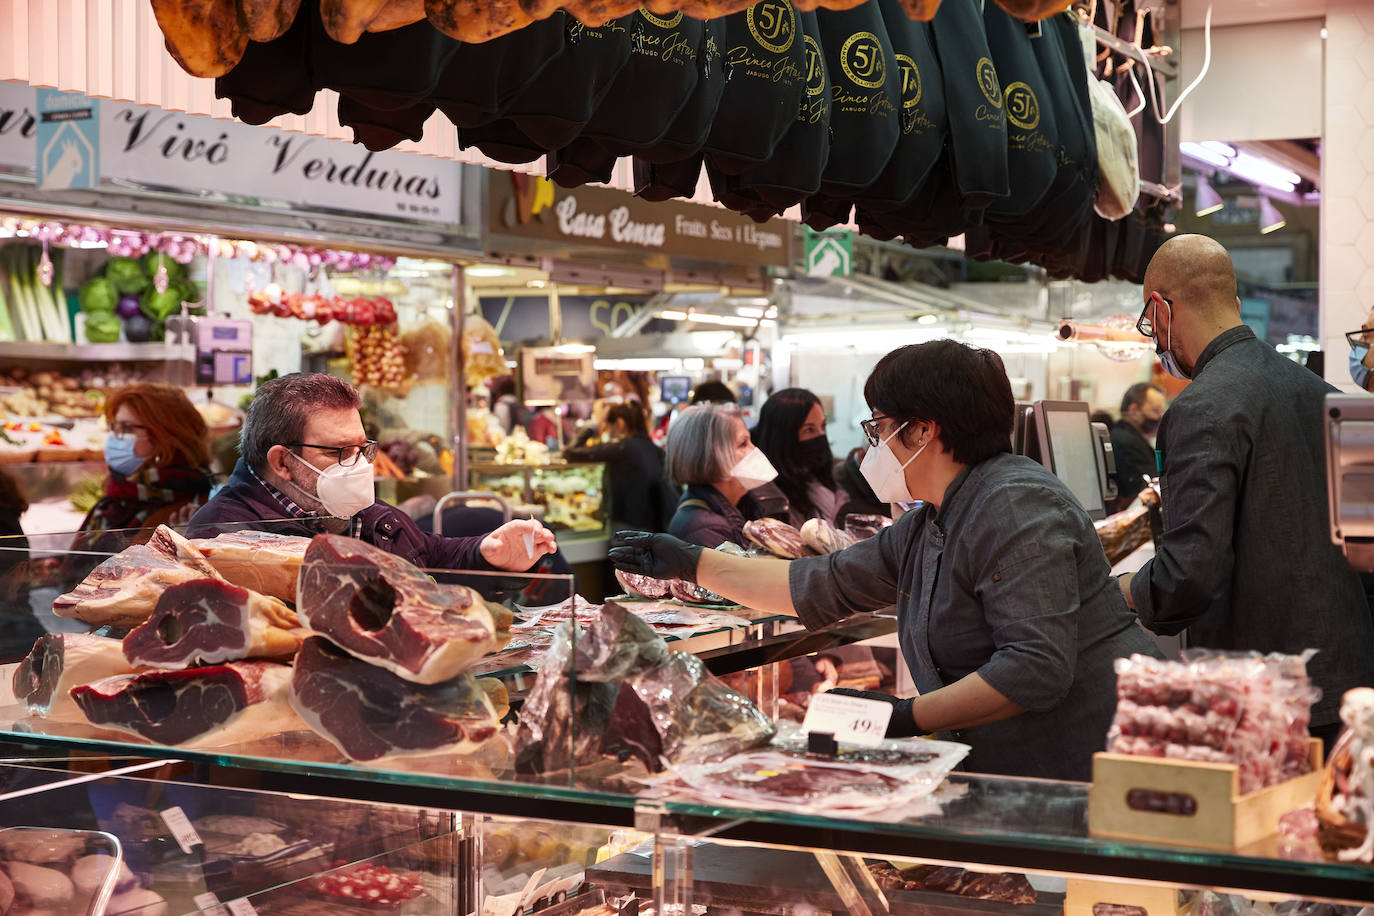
<point x="885" y="474"/>
<point x="754" y="469"/>
<point x="344" y="491"/>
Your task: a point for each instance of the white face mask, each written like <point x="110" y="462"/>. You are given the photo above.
<point x="885" y="474"/>
<point x="343" y="492"/>
<point x="754" y="469"/>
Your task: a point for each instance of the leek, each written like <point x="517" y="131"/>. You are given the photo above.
<point x="6" y="326"/>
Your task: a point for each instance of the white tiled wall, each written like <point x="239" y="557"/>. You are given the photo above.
<point x="1347" y="232"/>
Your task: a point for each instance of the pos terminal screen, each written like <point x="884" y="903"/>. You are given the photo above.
<point x="1072" y="449"/>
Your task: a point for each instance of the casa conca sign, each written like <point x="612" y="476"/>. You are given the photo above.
<point x="524" y="207"/>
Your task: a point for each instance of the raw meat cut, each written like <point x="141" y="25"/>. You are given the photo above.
<point x="262" y="561"/>
<point x="388" y="613"/>
<point x="60" y="661"/>
<point x="207" y="621"/>
<point x="6" y="893"/>
<point x="947" y="878"/>
<point x="218" y="705"/>
<point x="692" y="593"/>
<point x="123" y="590"/>
<point x="372" y="884"/>
<point x="778" y="538"/>
<point x="40" y="887"/>
<point x="823" y="537"/>
<point x="367" y="712"/>
<point x="1007" y="887"/>
<point x="647" y="586"/>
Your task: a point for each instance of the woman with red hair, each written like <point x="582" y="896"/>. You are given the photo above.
<point x="157" y="451"/>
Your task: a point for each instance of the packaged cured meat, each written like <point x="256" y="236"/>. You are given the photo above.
<point x="692" y="593"/>
<point x="367" y="712"/>
<point x="1243" y="708"/>
<point x="262" y="561"/>
<point x="823" y="537"/>
<point x="374" y="885"/>
<point x="89" y="873"/>
<point x="630" y="696"/>
<point x="388" y="613"/>
<point x="201" y="707"/>
<point x="642" y="585"/>
<point x="60" y="661"/>
<point x="778" y="538"/>
<point x="207" y="621"/>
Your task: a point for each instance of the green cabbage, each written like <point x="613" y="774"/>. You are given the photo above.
<point x="98" y="295"/>
<point x="158" y="306"/>
<point x="102" y="327"/>
<point x="127" y="275"/>
<point x="175" y="269"/>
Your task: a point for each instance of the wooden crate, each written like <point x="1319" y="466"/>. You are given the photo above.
<point x="1154" y="899"/>
<point x="1220" y="818"/>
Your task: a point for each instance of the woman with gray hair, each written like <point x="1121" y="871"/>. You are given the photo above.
<point x="709" y="450"/>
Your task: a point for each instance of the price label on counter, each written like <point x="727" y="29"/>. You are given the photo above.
<point x="241" y="907"/>
<point x="209" y="903"/>
<point x="182" y="831"/>
<point x="852" y="720"/>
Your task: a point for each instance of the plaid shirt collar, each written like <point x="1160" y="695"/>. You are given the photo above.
<point x="294" y="510"/>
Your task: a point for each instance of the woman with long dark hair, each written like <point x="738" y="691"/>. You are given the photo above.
<point x="634" y="469"/>
<point x="791" y="432"/>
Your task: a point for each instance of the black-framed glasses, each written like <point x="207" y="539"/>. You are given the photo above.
<point x="870" y="428"/>
<point x="127" y="429"/>
<point x="1364" y="337"/>
<point x="346" y="455"/>
<point x="1143" y="324"/>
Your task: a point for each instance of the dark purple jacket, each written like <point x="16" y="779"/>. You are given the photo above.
<point x="244" y="503"/>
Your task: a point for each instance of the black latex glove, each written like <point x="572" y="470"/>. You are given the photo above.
<point x="901" y="725"/>
<point x="659" y="556"/>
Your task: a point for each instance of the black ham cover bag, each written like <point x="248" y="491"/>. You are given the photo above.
<point x="483" y="79"/>
<point x="973" y="99"/>
<point x="794" y="171"/>
<point x="553" y="109"/>
<point x="765" y="76"/>
<point x="863" y="109"/>
<point x="922" y="121"/>
<point x="272" y="78"/>
<point x="663" y="170"/>
<point x="645" y="100"/>
<point x="1032" y="133"/>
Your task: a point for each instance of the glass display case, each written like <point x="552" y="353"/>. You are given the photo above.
<point x="351" y="726"/>
<point x="569" y="497"/>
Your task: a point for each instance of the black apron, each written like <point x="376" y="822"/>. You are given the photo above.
<point x="642" y="105"/>
<point x="866" y="97"/>
<point x="794" y="171"/>
<point x="765" y="76"/>
<point x="552" y="110"/>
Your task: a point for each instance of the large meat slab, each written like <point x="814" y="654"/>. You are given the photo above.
<point x="264" y="562"/>
<point x="207" y="621"/>
<point x="368" y="713"/>
<point x="389" y="613"/>
<point x="60" y="661"/>
<point x="123" y="590"/>
<point x="218" y="705"/>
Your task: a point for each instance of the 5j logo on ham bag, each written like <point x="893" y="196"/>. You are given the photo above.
<point x="773" y="25"/>
<point x="861" y="58"/>
<point x="987" y="81"/>
<point x="1023" y="109"/>
<point x="670" y="22"/>
<point x="911" y="81"/>
<point x="815" y="67"/>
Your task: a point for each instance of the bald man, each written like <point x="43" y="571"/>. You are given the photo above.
<point x="1246" y="561"/>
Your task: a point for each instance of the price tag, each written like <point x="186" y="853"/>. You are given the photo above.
<point x="182" y="831"/>
<point x="241" y="907"/>
<point x="209" y="903"/>
<point x="852" y="720"/>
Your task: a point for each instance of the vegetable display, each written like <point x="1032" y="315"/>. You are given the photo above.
<point x="125" y="297"/>
<point x="35" y="310"/>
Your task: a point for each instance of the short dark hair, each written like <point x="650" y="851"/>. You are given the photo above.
<point x="1135" y="395"/>
<point x="713" y="392"/>
<point x="776" y="434"/>
<point x="631" y="414"/>
<point x="281" y="408"/>
<point x="964" y="389"/>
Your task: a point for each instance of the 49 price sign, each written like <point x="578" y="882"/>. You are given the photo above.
<point x="852" y="720"/>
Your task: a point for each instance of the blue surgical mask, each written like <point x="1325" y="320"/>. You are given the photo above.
<point x="1359" y="372"/>
<point x="119" y="455"/>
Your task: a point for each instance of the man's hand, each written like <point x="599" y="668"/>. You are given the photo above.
<point x="517" y="544"/>
<point x="658" y="556"/>
<point x="1124" y="580"/>
<point x="903" y="721"/>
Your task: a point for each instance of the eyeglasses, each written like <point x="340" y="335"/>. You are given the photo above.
<point x="870" y="428"/>
<point x="1364" y="337"/>
<point x="127" y="429"/>
<point x="346" y="455"/>
<point x="1144" y="325"/>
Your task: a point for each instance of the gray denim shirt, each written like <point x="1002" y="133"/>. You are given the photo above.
<point x="1009" y="580"/>
<point x="1247" y="560"/>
